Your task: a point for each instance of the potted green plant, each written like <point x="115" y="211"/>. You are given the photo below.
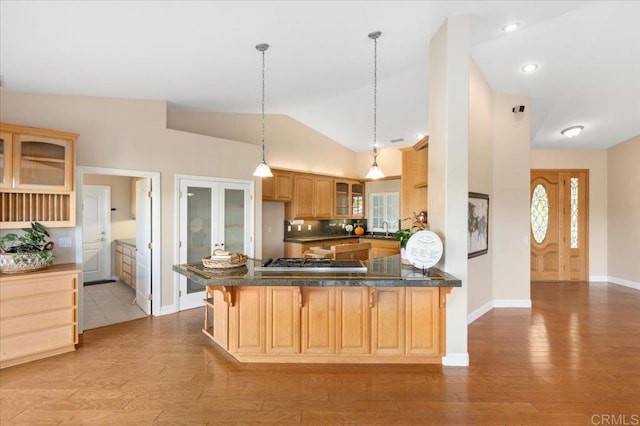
<point x="27" y="252"/>
<point x="403" y="234"/>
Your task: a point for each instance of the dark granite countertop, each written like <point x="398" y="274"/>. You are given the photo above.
<point x="302" y="240"/>
<point x="382" y="272"/>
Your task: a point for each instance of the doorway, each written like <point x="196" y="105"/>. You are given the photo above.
<point x="134" y="226"/>
<point x="559" y="225"/>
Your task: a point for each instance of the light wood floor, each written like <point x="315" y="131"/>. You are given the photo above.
<point x="571" y="358"/>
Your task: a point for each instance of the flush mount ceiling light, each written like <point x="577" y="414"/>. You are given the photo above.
<point x="530" y="67"/>
<point x="573" y="131"/>
<point x="511" y="27"/>
<point x="263" y="169"/>
<point x="374" y="171"/>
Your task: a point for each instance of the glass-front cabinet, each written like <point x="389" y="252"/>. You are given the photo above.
<point x="349" y="199"/>
<point x="36" y="177"/>
<point x="5" y="159"/>
<point x="41" y="162"/>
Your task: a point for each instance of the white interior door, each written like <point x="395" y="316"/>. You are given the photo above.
<point x="143" y="244"/>
<point x="213" y="215"/>
<point x="96" y="232"/>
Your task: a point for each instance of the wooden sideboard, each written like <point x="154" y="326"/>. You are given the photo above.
<point x="38" y="314"/>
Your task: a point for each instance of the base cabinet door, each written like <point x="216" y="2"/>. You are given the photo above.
<point x="423" y="321"/>
<point x="352" y="320"/>
<point x="388" y="321"/>
<point x="247" y="321"/>
<point x="318" y="321"/>
<point x="283" y="320"/>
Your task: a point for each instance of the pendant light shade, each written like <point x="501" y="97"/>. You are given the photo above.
<point x="375" y="172"/>
<point x="263" y="169"/>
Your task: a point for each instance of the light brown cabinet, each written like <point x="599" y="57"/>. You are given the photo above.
<point x="335" y="320"/>
<point x="126" y="263"/>
<point x="379" y="248"/>
<point x="312" y="197"/>
<point x="37" y="176"/>
<point x="328" y="324"/>
<point x="414" y="183"/>
<point x="382" y="248"/>
<point x="38" y="314"/>
<point x="279" y="187"/>
<point x="349" y="199"/>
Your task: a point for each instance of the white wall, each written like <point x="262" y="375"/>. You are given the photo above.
<point x="596" y="162"/>
<point x="449" y="60"/>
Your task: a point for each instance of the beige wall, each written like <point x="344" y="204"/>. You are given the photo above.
<point x="289" y="144"/>
<point x="389" y="160"/>
<point x="449" y="59"/>
<point x="510" y="208"/>
<point x="131" y="135"/>
<point x="623" y="212"/>
<point x="596" y="162"/>
<point x="480" y="274"/>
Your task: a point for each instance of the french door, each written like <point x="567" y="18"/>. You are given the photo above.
<point x="559" y="225"/>
<point x="214" y="214"/>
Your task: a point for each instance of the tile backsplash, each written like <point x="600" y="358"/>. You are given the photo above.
<point x="321" y="228"/>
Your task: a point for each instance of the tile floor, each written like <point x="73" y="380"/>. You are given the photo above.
<point x="109" y="303"/>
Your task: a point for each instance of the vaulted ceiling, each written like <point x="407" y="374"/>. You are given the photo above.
<point x="201" y="55"/>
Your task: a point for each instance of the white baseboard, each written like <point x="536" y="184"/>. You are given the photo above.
<point x="512" y="303"/>
<point x="166" y="310"/>
<point x="479" y="312"/>
<point x="460" y="359"/>
<point x="598" y="278"/>
<point x="497" y="303"/>
<point x="626" y="283"/>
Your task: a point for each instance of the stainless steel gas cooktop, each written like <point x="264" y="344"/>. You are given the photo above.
<point x="311" y="265"/>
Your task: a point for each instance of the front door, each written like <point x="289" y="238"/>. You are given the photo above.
<point x="213" y="215"/>
<point x="559" y="224"/>
<point x="96" y="240"/>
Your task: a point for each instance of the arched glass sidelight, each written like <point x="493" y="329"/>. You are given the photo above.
<point x="539" y="213"/>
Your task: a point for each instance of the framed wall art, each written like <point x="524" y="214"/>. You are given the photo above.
<point x="478" y="225"/>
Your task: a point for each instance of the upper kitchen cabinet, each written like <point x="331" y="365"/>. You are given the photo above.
<point x="279" y="187"/>
<point x="37" y="177"/>
<point x="349" y="199"/>
<point x="312" y="197"/>
<point x="415" y="163"/>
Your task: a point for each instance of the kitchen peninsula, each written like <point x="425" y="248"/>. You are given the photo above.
<point x="393" y="313"/>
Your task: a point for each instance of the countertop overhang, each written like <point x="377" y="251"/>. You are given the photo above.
<point x="381" y="272"/>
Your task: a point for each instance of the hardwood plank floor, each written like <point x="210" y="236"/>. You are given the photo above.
<point x="572" y="359"/>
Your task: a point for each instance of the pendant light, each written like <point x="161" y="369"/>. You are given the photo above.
<point x="374" y="171"/>
<point x="263" y="169"/>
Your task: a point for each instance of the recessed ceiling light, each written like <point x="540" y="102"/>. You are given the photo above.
<point x="530" y="67"/>
<point x="511" y="27"/>
<point x="573" y="131"/>
<point x="420" y="135"/>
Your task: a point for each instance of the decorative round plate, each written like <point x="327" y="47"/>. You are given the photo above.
<point x="424" y="249"/>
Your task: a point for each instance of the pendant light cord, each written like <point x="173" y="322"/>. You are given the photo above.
<point x="375" y="93"/>
<point x="263" y="105"/>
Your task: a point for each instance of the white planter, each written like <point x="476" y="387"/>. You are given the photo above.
<point x="403" y="257"/>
